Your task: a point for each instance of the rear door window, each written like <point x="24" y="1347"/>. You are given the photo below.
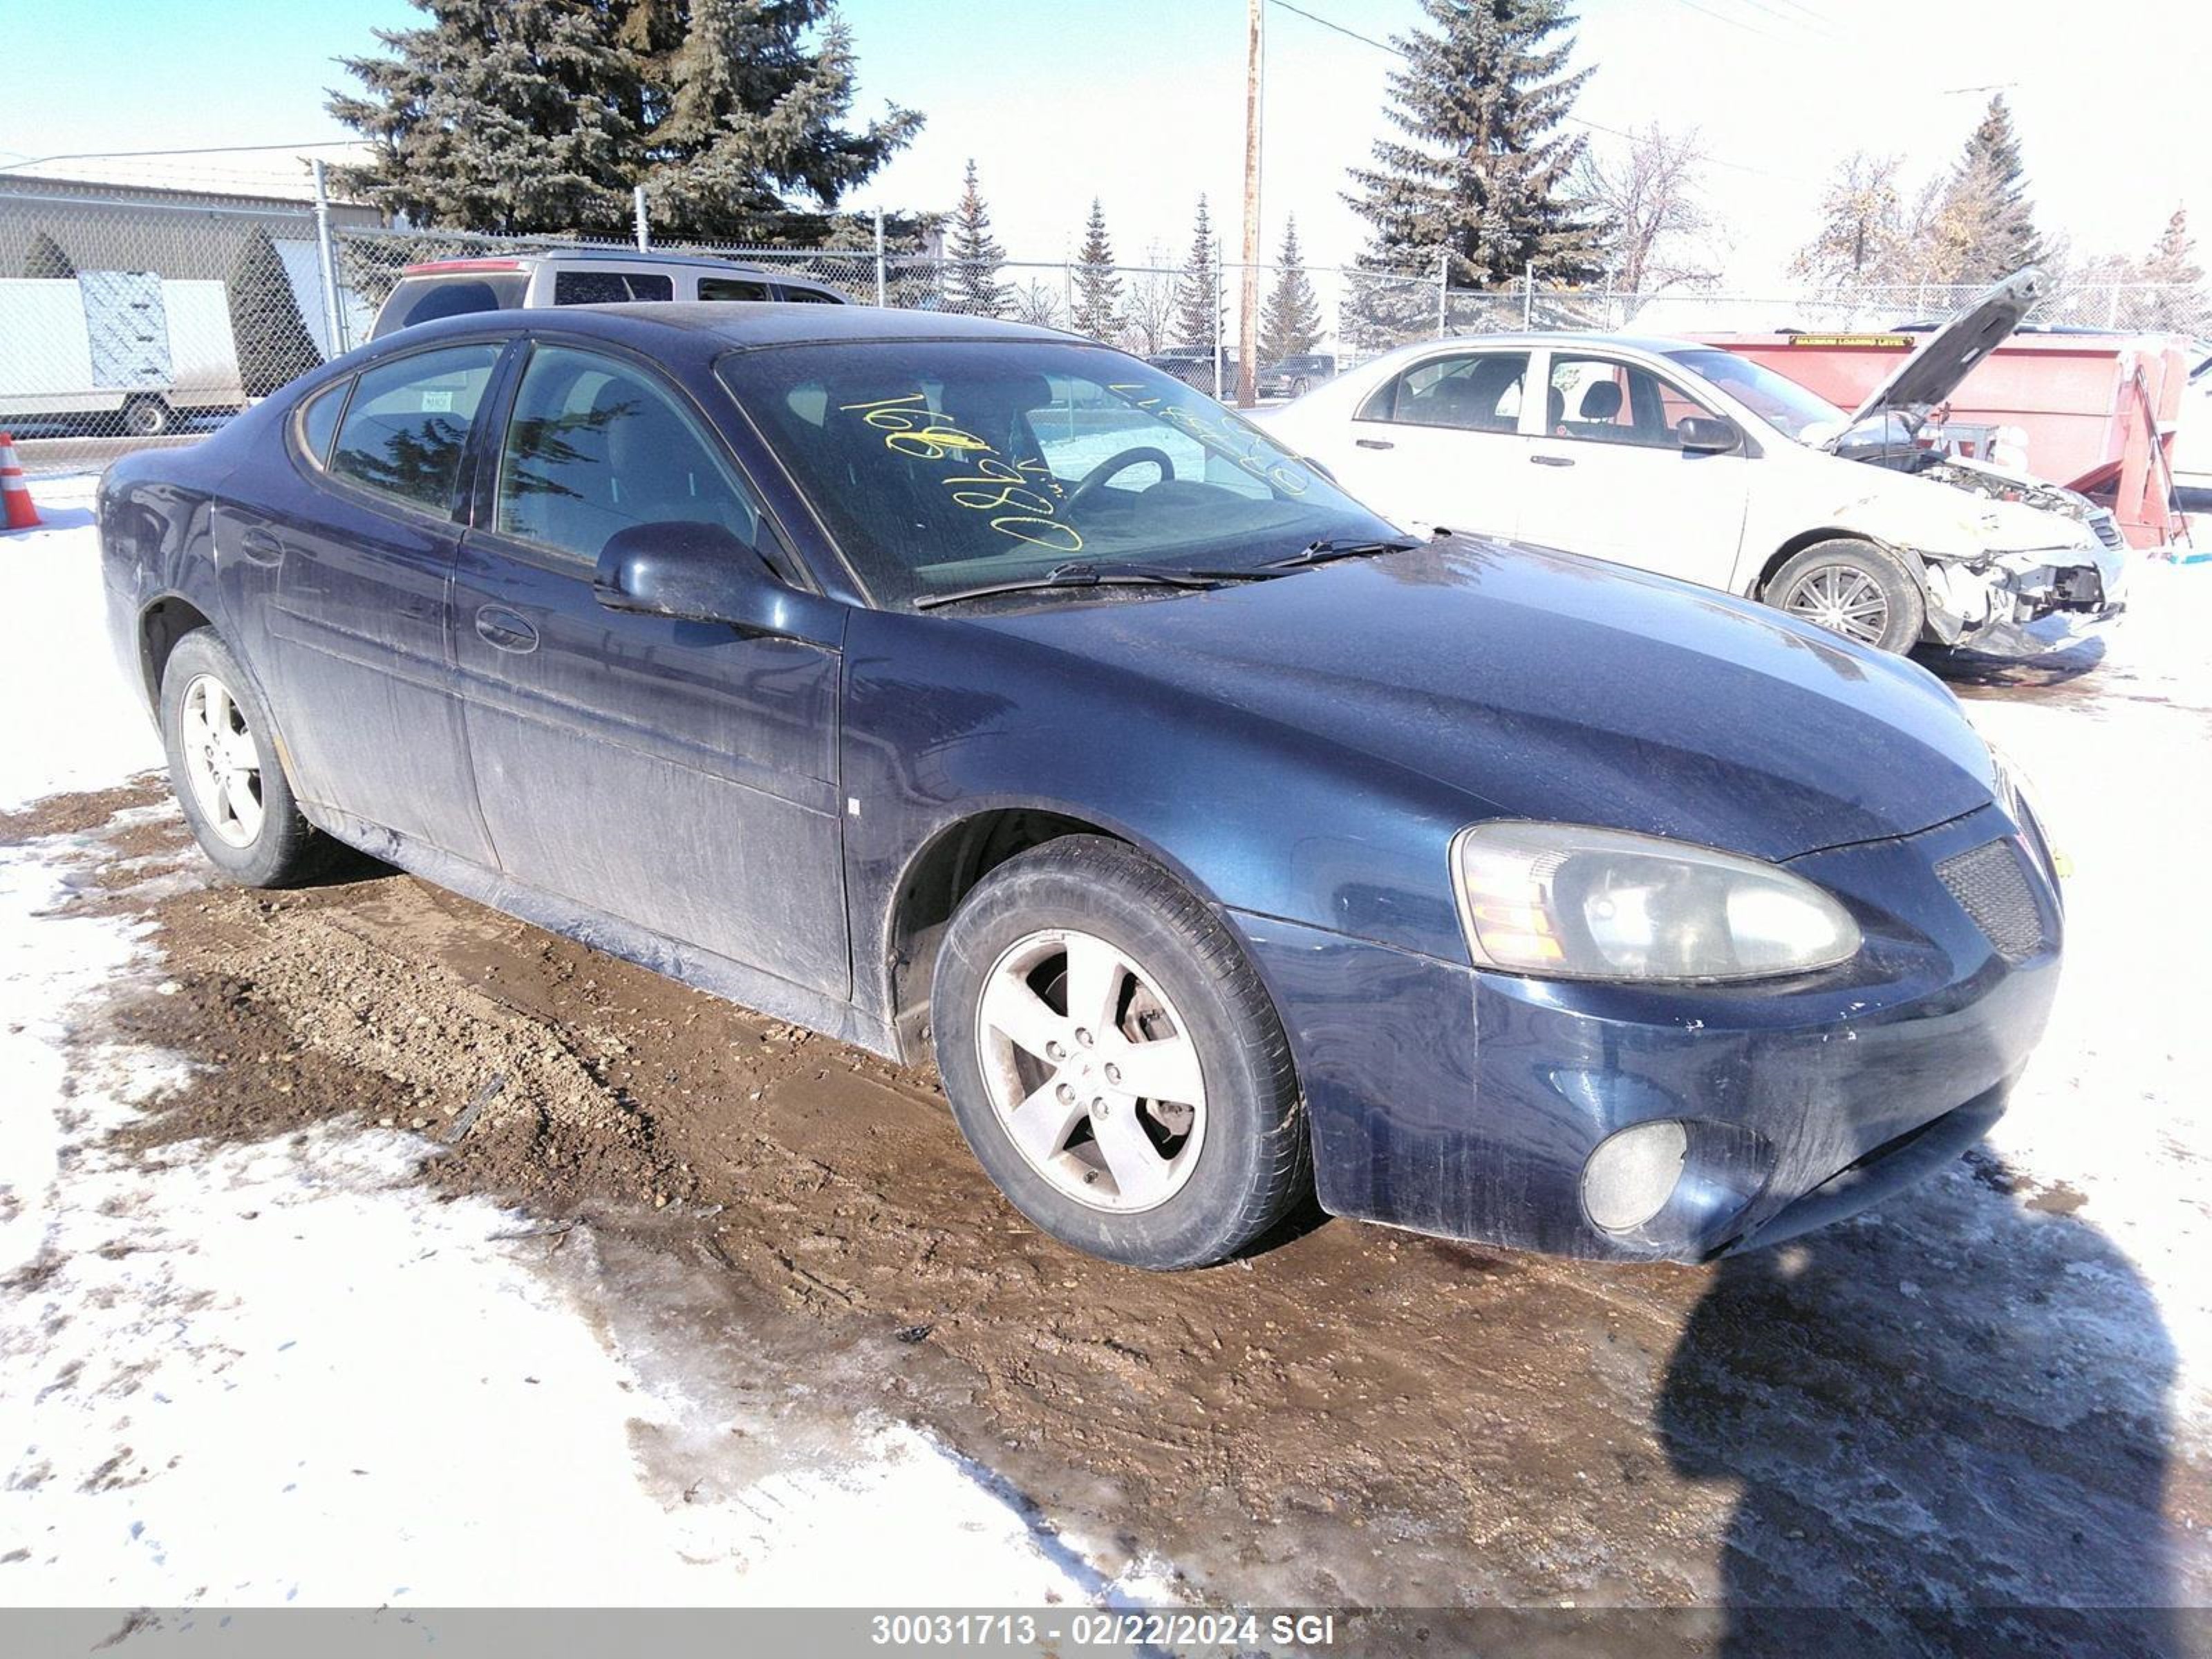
<point x="732" y="287"/>
<point x="408" y="423"/>
<point x="608" y="288"/>
<point x="1479" y="392"/>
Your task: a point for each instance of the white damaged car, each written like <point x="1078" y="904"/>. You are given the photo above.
<point x="1690" y="461"/>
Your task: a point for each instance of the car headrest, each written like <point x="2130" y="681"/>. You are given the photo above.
<point x="1602" y="401"/>
<point x="1555" y="407"/>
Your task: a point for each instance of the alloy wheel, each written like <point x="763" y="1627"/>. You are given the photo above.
<point x="1093" y="1074"/>
<point x="1842" y="599"/>
<point x="221" y="764"/>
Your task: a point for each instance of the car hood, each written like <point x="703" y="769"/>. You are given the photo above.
<point x="1928" y="376"/>
<point x="1544" y="685"/>
<point x="1947" y="510"/>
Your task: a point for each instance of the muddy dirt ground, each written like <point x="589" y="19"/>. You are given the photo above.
<point x="1893" y="1412"/>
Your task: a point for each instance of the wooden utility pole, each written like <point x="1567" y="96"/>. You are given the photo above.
<point x="1248" y="329"/>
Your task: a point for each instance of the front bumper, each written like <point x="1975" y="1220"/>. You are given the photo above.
<point x="1463" y="1103"/>
<point x="2024" y="604"/>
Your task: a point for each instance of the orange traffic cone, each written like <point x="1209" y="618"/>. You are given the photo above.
<point x="22" y="515"/>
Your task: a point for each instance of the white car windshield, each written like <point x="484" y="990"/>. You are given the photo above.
<point x="1780" y="401"/>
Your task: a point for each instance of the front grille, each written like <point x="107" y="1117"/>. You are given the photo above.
<point x="1992" y="887"/>
<point x="2108" y="530"/>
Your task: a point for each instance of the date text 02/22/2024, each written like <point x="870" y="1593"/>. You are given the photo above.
<point x="1174" y="1629"/>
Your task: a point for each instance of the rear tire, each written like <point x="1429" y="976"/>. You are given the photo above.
<point x="1855" y="589"/>
<point x="1165" y="1131"/>
<point x="225" y="770"/>
<point x="147" y="418"/>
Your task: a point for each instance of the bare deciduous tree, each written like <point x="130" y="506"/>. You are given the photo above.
<point x="1659" y="230"/>
<point x="1035" y="302"/>
<point x="1150" y="312"/>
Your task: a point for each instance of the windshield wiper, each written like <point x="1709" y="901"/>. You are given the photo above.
<point x="1091" y="575"/>
<point x="1331" y="548"/>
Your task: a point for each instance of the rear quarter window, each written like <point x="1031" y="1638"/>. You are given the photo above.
<point x="810" y="296"/>
<point x="319" y="420"/>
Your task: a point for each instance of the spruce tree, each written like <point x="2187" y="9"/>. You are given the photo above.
<point x="45" y="261"/>
<point x="1097" y="286"/>
<point x="1290" y="325"/>
<point x="1197" y="290"/>
<point x="2174" y="257"/>
<point x="751" y="114"/>
<point x="523" y="116"/>
<point x="2177" y="303"/>
<point x="974" y="257"/>
<point x="274" y="345"/>
<point x="1484" y="173"/>
<point x="1990" y="173"/>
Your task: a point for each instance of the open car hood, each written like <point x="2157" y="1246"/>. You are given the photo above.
<point x="1932" y="374"/>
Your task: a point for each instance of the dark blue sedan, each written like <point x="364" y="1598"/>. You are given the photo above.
<point x="971" y="692"/>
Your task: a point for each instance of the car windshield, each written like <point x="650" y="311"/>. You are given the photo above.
<point x="945" y="465"/>
<point x="1781" y="403"/>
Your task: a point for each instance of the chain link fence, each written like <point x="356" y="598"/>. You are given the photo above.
<point x="135" y="317"/>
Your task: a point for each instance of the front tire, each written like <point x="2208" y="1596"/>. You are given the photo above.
<point x="1113" y="1061"/>
<point x="225" y="770"/>
<point x="1853" y="588"/>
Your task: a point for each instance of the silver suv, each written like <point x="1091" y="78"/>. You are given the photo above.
<point x="580" y="277"/>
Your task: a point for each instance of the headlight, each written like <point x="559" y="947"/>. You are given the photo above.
<point x="1569" y="900"/>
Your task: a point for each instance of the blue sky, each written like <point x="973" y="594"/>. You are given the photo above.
<point x="1139" y="101"/>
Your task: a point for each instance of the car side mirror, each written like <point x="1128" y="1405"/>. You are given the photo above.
<point x="1706" y="434"/>
<point x="692" y="572"/>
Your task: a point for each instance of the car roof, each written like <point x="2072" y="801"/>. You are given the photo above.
<point x="714" y="326"/>
<point x="1657" y="344"/>
<point x="469" y="263"/>
<point x="774" y="324"/>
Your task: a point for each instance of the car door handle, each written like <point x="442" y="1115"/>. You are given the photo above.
<point x="505" y="630"/>
<point x="1373" y="443"/>
<point x="1552" y="460"/>
<point x="259" y="547"/>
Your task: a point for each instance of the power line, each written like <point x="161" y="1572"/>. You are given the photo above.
<point x="1816" y="25"/>
<point x="1352" y="35"/>
<point x="1576" y="120"/>
<point x="1721" y="17"/>
<point x="202" y="150"/>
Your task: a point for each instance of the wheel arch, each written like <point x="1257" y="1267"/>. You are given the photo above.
<point x="944" y="869"/>
<point x="1797" y="543"/>
<point x="161" y="624"/>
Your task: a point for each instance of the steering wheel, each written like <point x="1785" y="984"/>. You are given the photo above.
<point x="1112" y="467"/>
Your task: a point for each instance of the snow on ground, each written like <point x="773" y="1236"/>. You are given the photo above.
<point x="2115" y="1104"/>
<point x="286" y="1373"/>
<point x="72" y="722"/>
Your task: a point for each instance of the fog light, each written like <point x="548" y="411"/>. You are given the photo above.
<point x="1631" y="1175"/>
